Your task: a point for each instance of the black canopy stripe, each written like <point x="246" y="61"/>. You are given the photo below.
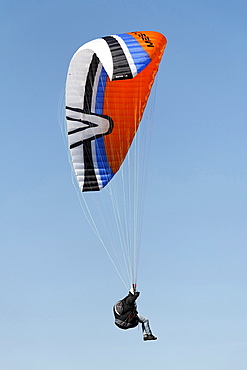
<point x="90" y="180"/>
<point x="121" y="68"/>
<point x="89" y="84"/>
<point x="79" y="129"/>
<point x="78" y="143"/>
<point x="79" y="110"/>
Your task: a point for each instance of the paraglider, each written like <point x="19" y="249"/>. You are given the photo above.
<point x="108" y="84"/>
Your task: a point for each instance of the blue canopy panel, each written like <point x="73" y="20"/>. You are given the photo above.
<point x="139" y="55"/>
<point x="104" y="169"/>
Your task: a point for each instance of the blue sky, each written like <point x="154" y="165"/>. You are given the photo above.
<point x="57" y="284"/>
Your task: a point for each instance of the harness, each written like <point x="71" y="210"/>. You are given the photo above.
<point x="130" y="321"/>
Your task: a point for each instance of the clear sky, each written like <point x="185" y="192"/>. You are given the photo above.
<point x="57" y="285"/>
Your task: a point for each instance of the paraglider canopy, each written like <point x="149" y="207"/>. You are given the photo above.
<point x="108" y="84"/>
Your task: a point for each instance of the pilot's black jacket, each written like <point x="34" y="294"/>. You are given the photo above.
<point x="125" y="311"/>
